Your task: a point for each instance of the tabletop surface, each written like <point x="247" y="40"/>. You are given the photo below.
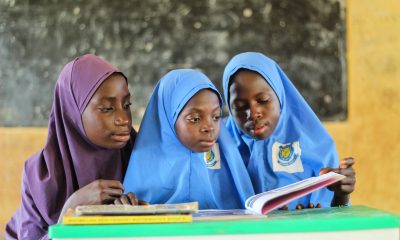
<point x="307" y="220"/>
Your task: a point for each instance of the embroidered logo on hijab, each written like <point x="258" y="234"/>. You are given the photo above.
<point x="212" y="158"/>
<point x="286" y="157"/>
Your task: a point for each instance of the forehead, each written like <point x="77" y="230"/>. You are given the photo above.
<point x="247" y="82"/>
<point x="114" y="85"/>
<point x="203" y="99"/>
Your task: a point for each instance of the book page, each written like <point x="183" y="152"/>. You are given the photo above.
<point x="179" y="208"/>
<point x="224" y="215"/>
<point x="267" y="201"/>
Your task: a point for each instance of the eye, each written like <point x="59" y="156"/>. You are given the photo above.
<point x="127" y="105"/>
<point x="106" y="109"/>
<point x="239" y="107"/>
<point x="194" y="119"/>
<point x="216" y="118"/>
<point x="264" y="100"/>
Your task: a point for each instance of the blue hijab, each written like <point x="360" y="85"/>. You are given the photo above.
<point x="297" y="149"/>
<point x="163" y="170"/>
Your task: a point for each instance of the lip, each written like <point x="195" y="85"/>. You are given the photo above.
<point x="207" y="143"/>
<point x="121" y="136"/>
<point x="258" y="129"/>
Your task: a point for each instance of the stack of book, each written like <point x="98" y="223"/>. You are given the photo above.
<point x="127" y="214"/>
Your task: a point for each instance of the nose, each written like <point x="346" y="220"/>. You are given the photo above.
<point x="122" y="118"/>
<point x="253" y="112"/>
<point x="208" y="127"/>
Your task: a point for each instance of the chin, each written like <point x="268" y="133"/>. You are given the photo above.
<point x="207" y="149"/>
<point x="118" y="145"/>
<point x="200" y="149"/>
<point x="263" y="136"/>
<point x="258" y="137"/>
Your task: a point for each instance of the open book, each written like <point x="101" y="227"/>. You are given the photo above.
<point x="265" y="202"/>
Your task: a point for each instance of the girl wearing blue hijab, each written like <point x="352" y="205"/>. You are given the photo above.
<point x="182" y="152"/>
<point x="279" y="136"/>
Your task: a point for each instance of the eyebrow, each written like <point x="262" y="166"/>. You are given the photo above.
<point x="264" y="93"/>
<point x="201" y="110"/>
<point x="113" y="98"/>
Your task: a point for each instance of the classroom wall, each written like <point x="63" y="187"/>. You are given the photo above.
<point x="371" y="133"/>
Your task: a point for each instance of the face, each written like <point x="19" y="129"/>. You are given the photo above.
<point x="198" y="123"/>
<point x="107" y="118"/>
<point x="254" y="104"/>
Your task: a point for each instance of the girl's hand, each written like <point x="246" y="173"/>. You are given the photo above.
<point x="301" y="206"/>
<point x="129" y="199"/>
<point x="343" y="188"/>
<point x="310" y="205"/>
<point x="98" y="192"/>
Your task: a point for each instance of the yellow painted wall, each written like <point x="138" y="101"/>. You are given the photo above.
<point x="371" y="134"/>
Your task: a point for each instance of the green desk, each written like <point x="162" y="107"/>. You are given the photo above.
<point x="356" y="222"/>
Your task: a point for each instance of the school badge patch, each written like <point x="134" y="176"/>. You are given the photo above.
<point x="286" y="157"/>
<point x="212" y="158"/>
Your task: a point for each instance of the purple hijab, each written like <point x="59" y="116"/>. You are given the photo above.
<point x="69" y="160"/>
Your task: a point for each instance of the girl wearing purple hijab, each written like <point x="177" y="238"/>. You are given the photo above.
<point x="89" y="141"/>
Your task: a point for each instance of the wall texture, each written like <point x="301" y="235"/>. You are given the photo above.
<point x="371" y="134"/>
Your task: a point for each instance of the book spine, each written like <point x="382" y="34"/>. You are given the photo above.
<point x="92" y="220"/>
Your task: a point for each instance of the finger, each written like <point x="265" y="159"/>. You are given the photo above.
<point x="348" y="172"/>
<point x="132" y="199"/>
<point x="325" y="170"/>
<point x="124" y="199"/>
<point x="347" y="162"/>
<point x="109" y="200"/>
<point x="114" y="192"/>
<point x="141" y="202"/>
<point x="284" y="207"/>
<point x="117" y="202"/>
<point x="348" y="181"/>
<point x="345" y="189"/>
<point x="344" y="186"/>
<point x="112" y="184"/>
<point x="299" y="206"/>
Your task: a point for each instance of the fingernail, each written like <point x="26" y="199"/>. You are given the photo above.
<point x="299" y="206"/>
<point x="343" y="165"/>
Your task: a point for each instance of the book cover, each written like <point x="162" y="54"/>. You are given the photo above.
<point x="265" y="202"/>
<point x="71" y="218"/>
<point x="179" y="208"/>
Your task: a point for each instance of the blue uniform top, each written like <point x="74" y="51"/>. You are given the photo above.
<point x="163" y="170"/>
<point x="297" y="149"/>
